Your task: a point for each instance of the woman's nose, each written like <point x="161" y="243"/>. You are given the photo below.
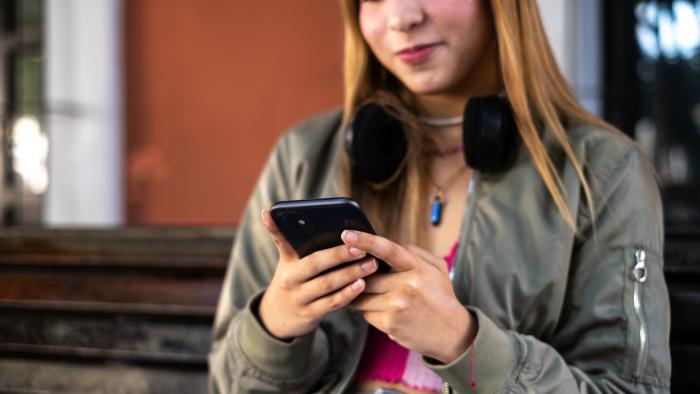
<point x="405" y="15"/>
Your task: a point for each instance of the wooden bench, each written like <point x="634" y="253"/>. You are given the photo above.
<point x="126" y="310"/>
<point x="130" y="310"/>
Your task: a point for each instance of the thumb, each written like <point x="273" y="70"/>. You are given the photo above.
<point x="429" y="258"/>
<point x="285" y="250"/>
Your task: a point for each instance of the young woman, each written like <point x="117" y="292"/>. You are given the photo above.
<point x="543" y="276"/>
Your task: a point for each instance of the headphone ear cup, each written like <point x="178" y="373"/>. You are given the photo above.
<point x="490" y="134"/>
<point x="376" y="142"/>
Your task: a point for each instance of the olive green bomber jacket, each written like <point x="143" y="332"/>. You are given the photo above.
<point x="556" y="312"/>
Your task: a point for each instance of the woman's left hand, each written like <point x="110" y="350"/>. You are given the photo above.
<point x="414" y="304"/>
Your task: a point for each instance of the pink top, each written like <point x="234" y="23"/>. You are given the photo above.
<point x="385" y="360"/>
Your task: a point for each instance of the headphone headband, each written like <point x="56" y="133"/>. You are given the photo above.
<point x="377" y="144"/>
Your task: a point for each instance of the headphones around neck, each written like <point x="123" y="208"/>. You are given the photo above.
<point x="377" y="145"/>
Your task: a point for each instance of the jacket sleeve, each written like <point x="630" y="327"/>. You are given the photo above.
<point x="613" y="333"/>
<point x="244" y="357"/>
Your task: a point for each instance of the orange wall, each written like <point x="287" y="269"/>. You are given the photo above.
<point x="210" y="85"/>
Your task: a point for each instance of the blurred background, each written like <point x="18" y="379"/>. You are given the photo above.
<point x="132" y="133"/>
<point x="154" y="112"/>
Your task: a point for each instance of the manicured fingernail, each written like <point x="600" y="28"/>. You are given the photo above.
<point x="356" y="252"/>
<point x="357" y="285"/>
<point x="349" y="236"/>
<point x="369" y="265"/>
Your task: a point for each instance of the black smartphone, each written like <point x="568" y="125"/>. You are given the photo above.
<point x="316" y="224"/>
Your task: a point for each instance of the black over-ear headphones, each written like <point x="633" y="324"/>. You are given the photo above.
<point x="376" y="141"/>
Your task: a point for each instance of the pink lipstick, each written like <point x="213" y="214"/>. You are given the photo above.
<point x="416" y="54"/>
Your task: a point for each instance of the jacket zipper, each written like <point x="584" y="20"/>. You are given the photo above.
<point x="458" y="271"/>
<point x="466" y="217"/>
<point x="446" y="389"/>
<point x="640" y="276"/>
<point x="346" y="380"/>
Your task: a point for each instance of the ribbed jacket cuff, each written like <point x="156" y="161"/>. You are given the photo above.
<point x="496" y="355"/>
<point x="279" y="359"/>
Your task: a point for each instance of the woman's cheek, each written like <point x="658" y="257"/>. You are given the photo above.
<point x="457" y="18"/>
<point x="371" y="23"/>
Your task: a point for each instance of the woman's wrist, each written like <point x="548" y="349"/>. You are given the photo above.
<point x="466" y="330"/>
<point x="260" y="313"/>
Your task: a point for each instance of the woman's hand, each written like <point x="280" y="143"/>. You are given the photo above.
<point x="298" y="297"/>
<point x="414" y="304"/>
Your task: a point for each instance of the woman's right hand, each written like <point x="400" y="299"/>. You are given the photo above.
<point x="298" y="298"/>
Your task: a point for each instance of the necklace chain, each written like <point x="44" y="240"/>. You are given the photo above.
<point x="438" y="200"/>
<point x="449" y="151"/>
<point x="442" y="122"/>
<point x="440" y="190"/>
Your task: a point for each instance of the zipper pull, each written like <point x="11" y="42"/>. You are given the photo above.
<point x="640" y="270"/>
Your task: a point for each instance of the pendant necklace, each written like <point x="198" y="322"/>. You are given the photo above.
<point x="438" y="200"/>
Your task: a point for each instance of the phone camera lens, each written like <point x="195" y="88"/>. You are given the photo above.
<point x="303" y="224"/>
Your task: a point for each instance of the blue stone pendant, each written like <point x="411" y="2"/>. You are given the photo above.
<point x="436" y="211"/>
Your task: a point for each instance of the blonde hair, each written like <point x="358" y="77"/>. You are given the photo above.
<point x="536" y="89"/>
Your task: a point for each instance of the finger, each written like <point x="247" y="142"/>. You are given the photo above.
<point x="322" y="260"/>
<point x="429" y="257"/>
<point x="380" y="247"/>
<point x="376" y="319"/>
<point x="381" y="283"/>
<point x="285" y="250"/>
<point x="328" y="283"/>
<point x="337" y="300"/>
<point x="370" y="303"/>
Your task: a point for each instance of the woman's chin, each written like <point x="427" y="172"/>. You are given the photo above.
<point x="425" y="86"/>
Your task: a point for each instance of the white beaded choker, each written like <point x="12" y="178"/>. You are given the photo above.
<point x="442" y="122"/>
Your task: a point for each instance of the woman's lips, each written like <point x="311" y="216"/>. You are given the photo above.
<point x="416" y="54"/>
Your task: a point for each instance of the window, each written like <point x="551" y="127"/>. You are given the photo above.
<point x="24" y="143"/>
<point x="653" y="92"/>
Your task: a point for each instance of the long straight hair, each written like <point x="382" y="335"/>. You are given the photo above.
<point x="536" y="89"/>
